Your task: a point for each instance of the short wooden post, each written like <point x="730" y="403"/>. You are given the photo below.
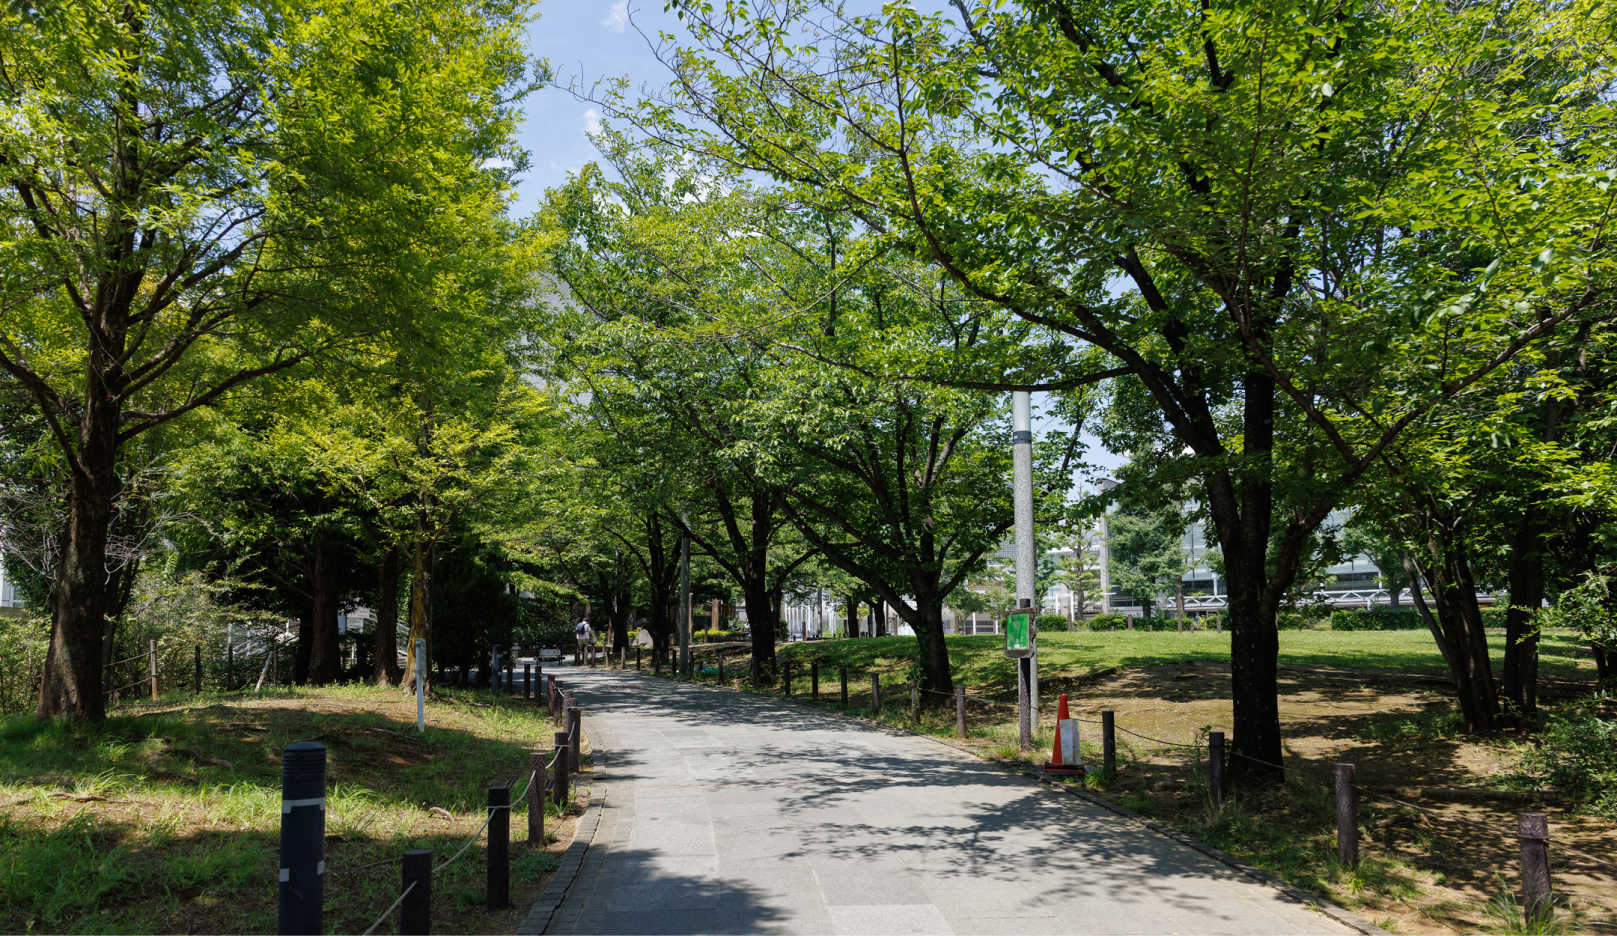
<point x="1108" y="744"/>
<point x="527" y="681"/>
<point x="199" y="669"/>
<point x="915" y="698"/>
<point x="844" y="686"/>
<point x="415" y="914"/>
<point x="1533" y="828"/>
<point x="573" y="728"/>
<point x="559" y="789"/>
<point x="152" y="664"/>
<point x="814" y="682"/>
<point x="1215" y="766"/>
<point x="637" y="658"/>
<point x="875" y="694"/>
<point x="536" y="798"/>
<point x="499" y="847"/>
<point x="786" y="677"/>
<point x="721" y="668"/>
<point x="960" y="711"/>
<point x="1347" y="817"/>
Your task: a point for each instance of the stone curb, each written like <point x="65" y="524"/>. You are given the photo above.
<point x="544" y="909"/>
<point x="1351" y="920"/>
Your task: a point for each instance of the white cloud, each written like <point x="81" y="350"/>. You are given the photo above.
<point x="618" y="17"/>
<point x="592" y="122"/>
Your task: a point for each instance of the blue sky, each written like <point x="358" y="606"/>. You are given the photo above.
<point x="590" y="40"/>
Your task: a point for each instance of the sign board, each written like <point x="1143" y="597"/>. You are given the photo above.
<point x="1019" y="635"/>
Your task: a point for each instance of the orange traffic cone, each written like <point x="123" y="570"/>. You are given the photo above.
<point x="1065" y="759"/>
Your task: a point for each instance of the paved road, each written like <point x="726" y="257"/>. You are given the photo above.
<point x="729" y="813"/>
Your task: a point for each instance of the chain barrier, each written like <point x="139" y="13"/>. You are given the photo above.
<point x="389" y="911"/>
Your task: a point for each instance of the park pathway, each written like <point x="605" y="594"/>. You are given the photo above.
<point x="732" y="813"/>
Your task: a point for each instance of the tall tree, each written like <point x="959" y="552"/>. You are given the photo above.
<point x="200" y="194"/>
<point x="1237" y="202"/>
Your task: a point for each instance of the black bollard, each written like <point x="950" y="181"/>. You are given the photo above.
<point x="637" y="658"/>
<point x="1215" y="766"/>
<point x="499" y="847"/>
<point x="303" y="840"/>
<point x="415" y="914"/>
<point x="1108" y="744"/>
<point x="814" y="682"/>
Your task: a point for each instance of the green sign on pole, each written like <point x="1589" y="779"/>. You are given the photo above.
<point x="1019" y="636"/>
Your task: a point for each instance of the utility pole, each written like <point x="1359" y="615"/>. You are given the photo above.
<point x="1021" y="639"/>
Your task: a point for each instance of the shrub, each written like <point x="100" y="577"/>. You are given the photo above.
<point x="1376" y="619"/>
<point x="1300" y="618"/>
<point x="1105" y="622"/>
<point x="1578" y="756"/>
<point x="1052" y="622"/>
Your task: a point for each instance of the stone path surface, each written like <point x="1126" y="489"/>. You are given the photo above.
<point x="732" y="813"/>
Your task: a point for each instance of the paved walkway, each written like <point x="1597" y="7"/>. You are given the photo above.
<point x="732" y="813"/>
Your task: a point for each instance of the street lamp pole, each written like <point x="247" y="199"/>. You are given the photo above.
<point x="1026" y="559"/>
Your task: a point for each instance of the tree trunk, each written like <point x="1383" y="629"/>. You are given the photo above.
<point x="385" y="669"/>
<point x="1436" y="629"/>
<point x="420" y="615"/>
<point x="325" y="657"/>
<point x="1605" y="662"/>
<point x="1526" y="572"/>
<point x="878" y="619"/>
<point x="851" y="611"/>
<point x="1461" y="618"/>
<point x="761" y="614"/>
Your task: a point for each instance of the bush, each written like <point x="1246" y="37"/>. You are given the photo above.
<point x="1300" y="618"/>
<point x="1578" y="756"/>
<point x="1052" y="622"/>
<point x="717" y="636"/>
<point x="1105" y="622"/>
<point x="1376" y="619"/>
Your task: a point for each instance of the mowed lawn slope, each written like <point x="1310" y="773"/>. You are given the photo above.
<point x="166" y="818"/>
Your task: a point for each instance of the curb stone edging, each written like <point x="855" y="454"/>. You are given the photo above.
<point x="544" y="909"/>
<point x="1347" y="918"/>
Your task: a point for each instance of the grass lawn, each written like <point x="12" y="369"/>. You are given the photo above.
<point x="166" y="817"/>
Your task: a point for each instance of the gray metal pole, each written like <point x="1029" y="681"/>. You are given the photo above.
<point x="1026" y="556"/>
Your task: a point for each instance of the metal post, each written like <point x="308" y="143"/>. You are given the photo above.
<point x="1027" y="560"/>
<point x="1108" y="743"/>
<point x="875" y="694"/>
<point x="152" y="664"/>
<point x="1215" y="766"/>
<point x="960" y="711"/>
<point x="1347" y="817"/>
<point x="301" y="897"/>
<point x="499" y="847"/>
<point x="420" y="684"/>
<point x="1534" y="830"/>
<point x="536" y="798"/>
<point x="415" y="914"/>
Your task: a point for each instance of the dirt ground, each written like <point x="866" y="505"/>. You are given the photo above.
<point x="1398" y="729"/>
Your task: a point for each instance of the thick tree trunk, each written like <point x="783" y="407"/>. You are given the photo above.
<point x="851" y="612"/>
<point x="1605" y="662"/>
<point x="1526" y="573"/>
<point x="762" y="615"/>
<point x="1461" y="619"/>
<point x="937" y="683"/>
<point x="1432" y="624"/>
<point x="879" y="619"/>
<point x="325" y="658"/>
<point x="420" y="616"/>
<point x="385" y="669"/>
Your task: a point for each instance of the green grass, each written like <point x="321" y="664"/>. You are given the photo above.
<point x="183" y="828"/>
<point x="979" y="661"/>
